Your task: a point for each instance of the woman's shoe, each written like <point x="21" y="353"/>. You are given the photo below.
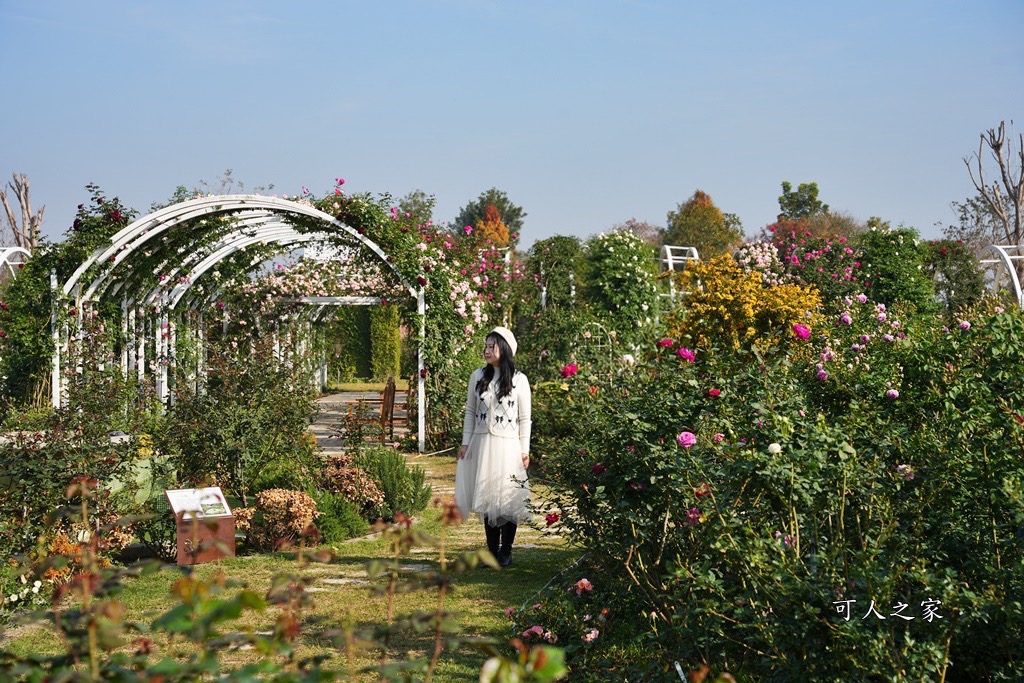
<point x="505" y="557"/>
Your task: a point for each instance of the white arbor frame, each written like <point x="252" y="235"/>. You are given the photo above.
<point x="255" y="220"/>
<point x="9" y="258"/>
<point x="1007" y="254"/>
<point x="672" y="256"/>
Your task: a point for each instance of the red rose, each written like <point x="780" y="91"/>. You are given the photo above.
<point x="713" y="393"/>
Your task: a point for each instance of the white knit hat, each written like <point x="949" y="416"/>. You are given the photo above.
<point x="507" y="335"/>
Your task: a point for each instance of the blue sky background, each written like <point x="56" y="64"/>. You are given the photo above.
<point x="586" y="112"/>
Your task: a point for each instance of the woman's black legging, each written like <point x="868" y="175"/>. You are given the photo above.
<point x="500" y="537"/>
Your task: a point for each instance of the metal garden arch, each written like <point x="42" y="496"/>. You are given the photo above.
<point x="254" y="219"/>
<point x="1007" y="255"/>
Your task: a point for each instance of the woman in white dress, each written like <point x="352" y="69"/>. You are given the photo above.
<point x="490" y="476"/>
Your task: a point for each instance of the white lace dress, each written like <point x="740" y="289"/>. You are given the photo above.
<point x="491" y="481"/>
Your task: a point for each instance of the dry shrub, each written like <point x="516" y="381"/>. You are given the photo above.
<point x="355" y="484"/>
<point x="280" y="518"/>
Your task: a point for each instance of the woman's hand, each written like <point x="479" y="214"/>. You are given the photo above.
<point x="526" y="461"/>
<point x="462" y="452"/>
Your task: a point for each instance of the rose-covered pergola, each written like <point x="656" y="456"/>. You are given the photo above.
<point x="159" y="267"/>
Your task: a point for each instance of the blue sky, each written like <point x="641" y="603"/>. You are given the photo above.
<point x="586" y="112"/>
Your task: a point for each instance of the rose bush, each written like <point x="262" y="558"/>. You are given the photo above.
<point x="842" y="527"/>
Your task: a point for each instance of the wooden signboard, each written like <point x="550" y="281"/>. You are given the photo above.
<point x="206" y="527"/>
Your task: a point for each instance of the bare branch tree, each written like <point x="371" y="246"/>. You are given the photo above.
<point x="1004" y="197"/>
<point x="25" y="233"/>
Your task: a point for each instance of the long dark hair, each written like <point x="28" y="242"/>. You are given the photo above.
<point x="506" y="363"/>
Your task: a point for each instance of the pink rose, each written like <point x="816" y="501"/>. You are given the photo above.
<point x="686" y="439"/>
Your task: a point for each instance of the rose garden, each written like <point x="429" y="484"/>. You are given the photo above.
<point x="798" y="457"/>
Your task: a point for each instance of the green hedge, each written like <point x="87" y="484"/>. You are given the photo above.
<point x="364" y="342"/>
<point x="385" y="342"/>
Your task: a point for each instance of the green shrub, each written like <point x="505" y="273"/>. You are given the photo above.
<point x="282" y="473"/>
<point x="404" y="487"/>
<point x="159" y="531"/>
<point x="741" y="499"/>
<point x="37" y="467"/>
<point x="829" y="263"/>
<point x="254" y="413"/>
<point x="620" y="284"/>
<point x="893" y="266"/>
<point x="339" y="519"/>
<point x="956" y="275"/>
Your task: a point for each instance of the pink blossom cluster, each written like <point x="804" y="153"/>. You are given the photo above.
<point x="811" y="259"/>
<point x="762" y="257"/>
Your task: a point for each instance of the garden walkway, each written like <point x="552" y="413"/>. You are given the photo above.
<point x="440" y="470"/>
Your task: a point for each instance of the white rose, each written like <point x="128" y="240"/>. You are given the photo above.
<point x="774" y="448"/>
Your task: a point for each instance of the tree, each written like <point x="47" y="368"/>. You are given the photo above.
<point x="511" y="215"/>
<point x="1005" y="196"/>
<point x="654" y="235"/>
<point x="25" y="233"/>
<point x="818" y="226"/>
<point x="491" y="228"/>
<point x="977" y="225"/>
<point x="419" y="206"/>
<point x="228" y="184"/>
<point x="698" y="223"/>
<point x="803" y="203"/>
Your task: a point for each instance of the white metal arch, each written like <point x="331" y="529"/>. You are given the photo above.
<point x="243" y="228"/>
<point x="264" y="232"/>
<point x="1007" y="254"/>
<point x="281" y="235"/>
<point x="257" y="219"/>
<point x="10" y="252"/>
<point x="141" y="231"/>
<point x="672" y="256"/>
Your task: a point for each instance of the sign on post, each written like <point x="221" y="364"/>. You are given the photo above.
<point x="205" y="525"/>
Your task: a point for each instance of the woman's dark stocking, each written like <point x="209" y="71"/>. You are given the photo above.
<point x="508" y="536"/>
<point x="493" y="537"/>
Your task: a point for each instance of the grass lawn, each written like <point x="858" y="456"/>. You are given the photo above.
<point x="341" y="594"/>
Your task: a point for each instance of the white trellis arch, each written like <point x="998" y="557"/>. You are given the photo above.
<point x="1009" y="256"/>
<point x="11" y="259"/>
<point x="254" y="219"/>
<point x="675" y="258"/>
